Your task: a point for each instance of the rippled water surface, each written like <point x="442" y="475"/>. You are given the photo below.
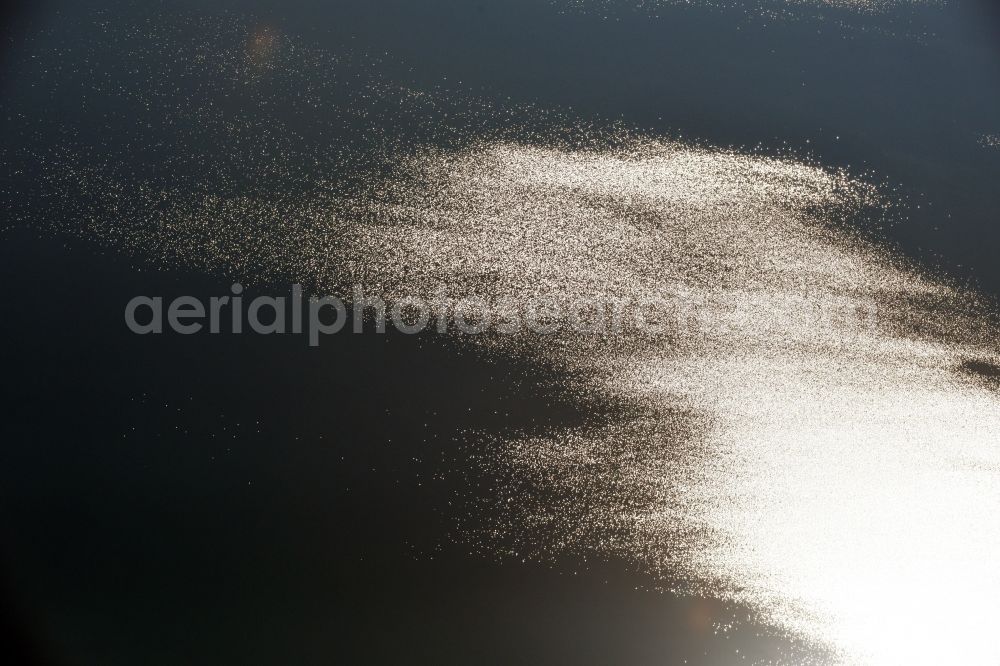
<point x="813" y="437"/>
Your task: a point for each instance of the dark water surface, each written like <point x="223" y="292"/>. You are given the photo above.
<point x="249" y="499"/>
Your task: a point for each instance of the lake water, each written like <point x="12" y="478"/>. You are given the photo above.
<point x="800" y="465"/>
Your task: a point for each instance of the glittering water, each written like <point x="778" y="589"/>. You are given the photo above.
<point x="758" y="5"/>
<point x="816" y="439"/>
<point x="837" y="474"/>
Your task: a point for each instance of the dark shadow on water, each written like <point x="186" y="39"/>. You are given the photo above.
<point x="984" y="370"/>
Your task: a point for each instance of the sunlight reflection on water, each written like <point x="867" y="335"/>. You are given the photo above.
<point x="838" y="475"/>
